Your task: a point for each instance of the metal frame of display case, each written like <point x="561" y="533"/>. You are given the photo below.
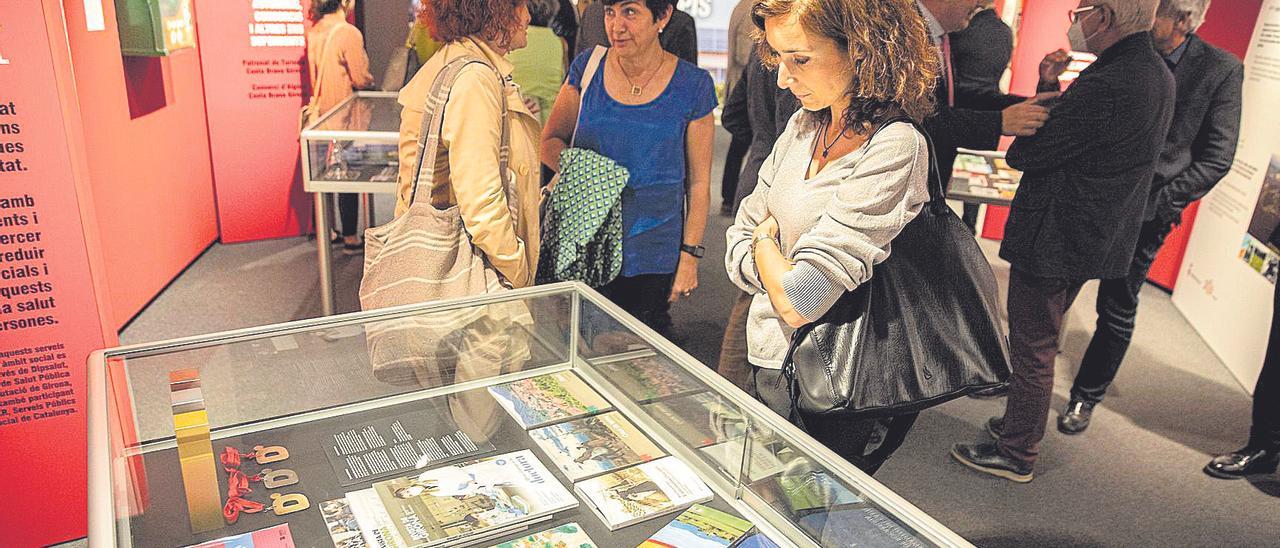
<point x="323" y="190"/>
<point x="105" y="494"/>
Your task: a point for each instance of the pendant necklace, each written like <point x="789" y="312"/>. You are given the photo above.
<point x="826" y="148"/>
<point x="637" y="90"/>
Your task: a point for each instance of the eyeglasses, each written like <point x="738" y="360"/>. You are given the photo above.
<point x="1075" y="14"/>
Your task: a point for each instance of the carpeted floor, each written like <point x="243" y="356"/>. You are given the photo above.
<point x="1132" y="480"/>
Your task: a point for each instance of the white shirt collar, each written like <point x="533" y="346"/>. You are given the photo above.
<point x="936" y="31"/>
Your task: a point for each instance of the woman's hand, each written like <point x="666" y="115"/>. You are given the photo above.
<point x="686" y="277"/>
<point x="768" y="227"/>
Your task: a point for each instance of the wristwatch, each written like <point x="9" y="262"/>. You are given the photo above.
<point x="696" y="250"/>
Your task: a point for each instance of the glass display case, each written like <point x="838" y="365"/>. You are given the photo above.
<point x="353" y="148"/>
<point x="473" y="422"/>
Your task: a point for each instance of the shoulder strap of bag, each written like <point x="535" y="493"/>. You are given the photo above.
<point x="593" y="65"/>
<point x="316" y="80"/>
<point x="433" y="125"/>
<point x="937" y="194"/>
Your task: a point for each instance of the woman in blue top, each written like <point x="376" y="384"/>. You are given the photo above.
<point x="650" y="112"/>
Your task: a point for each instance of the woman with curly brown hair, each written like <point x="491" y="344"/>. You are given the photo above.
<point x="499" y="210"/>
<point x="848" y="173"/>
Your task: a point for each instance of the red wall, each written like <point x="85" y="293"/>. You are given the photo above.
<point x="148" y="153"/>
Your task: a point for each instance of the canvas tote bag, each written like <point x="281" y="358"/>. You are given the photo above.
<point x="426" y="255"/>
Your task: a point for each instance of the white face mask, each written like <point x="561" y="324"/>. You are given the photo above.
<point x="1075" y="34"/>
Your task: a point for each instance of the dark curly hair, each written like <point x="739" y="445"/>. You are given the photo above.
<point x="490" y="20"/>
<point x="658" y="7"/>
<point x="321" y="8"/>
<point x="894" y="66"/>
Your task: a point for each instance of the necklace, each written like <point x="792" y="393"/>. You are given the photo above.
<point x="826" y="148"/>
<point x="637" y="90"/>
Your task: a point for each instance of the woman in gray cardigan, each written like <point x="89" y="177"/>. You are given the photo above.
<point x="843" y="180"/>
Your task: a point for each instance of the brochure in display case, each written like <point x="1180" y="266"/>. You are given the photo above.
<point x="555" y="449"/>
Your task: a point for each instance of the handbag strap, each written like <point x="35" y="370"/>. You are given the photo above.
<point x="593" y="65"/>
<point x="433" y="125"/>
<point x="324" y="47"/>
<point x="937" y="194"/>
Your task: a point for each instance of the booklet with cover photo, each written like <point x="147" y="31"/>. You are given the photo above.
<point x="473" y="499"/>
<point x="700" y="527"/>
<point x="569" y="535"/>
<point x="549" y="398"/>
<point x="647" y="379"/>
<point x="632" y="495"/>
<point x="593" y="445"/>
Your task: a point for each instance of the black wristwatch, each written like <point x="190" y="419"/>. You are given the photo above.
<point x="696" y="250"/>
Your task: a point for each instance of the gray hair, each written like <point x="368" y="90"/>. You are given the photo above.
<point x="1193" y="9"/>
<point x="1132" y="15"/>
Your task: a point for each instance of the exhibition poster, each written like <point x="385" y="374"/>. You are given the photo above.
<point x="1228" y="274"/>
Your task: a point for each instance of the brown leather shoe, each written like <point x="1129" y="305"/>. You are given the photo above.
<point x="986" y="458"/>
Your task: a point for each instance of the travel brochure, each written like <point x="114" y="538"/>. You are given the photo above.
<point x="569" y="535"/>
<point x="728" y="455"/>
<point x="858" y="526"/>
<point x="475" y="499"/>
<point x="593" y="445"/>
<point x="699" y="419"/>
<point x="986" y="173"/>
<point x="549" y="398"/>
<point x="635" y="494"/>
<point x="271" y="537"/>
<point x="700" y="527"/>
<point x="647" y="379"/>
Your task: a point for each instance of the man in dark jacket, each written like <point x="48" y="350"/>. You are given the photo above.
<point x="979" y="54"/>
<point x="1076" y="216"/>
<point x="680" y="37"/>
<point x="1197" y="154"/>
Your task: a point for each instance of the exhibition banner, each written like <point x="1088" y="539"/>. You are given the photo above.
<point x="254" y="84"/>
<point x="1229" y="271"/>
<point x="50" y="309"/>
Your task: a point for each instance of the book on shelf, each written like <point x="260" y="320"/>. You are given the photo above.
<point x="631" y="495"/>
<point x="700" y="527"/>
<point x="594" y="445"/>
<point x="569" y="535"/>
<point x="550" y="398"/>
<point x="473" y="500"/>
<point x="647" y="379"/>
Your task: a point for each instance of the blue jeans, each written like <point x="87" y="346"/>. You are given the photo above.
<point x="1117" y="313"/>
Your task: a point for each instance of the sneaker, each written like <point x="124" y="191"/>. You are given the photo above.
<point x="986" y="458"/>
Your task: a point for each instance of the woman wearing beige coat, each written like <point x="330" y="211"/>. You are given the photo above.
<point x="467" y="164"/>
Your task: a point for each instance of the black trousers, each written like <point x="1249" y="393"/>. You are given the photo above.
<point x="1117" y="312"/>
<point x="738" y="148"/>
<point x="970" y="216"/>
<point x="349" y="213"/>
<point x="852" y="439"/>
<point x="645" y="297"/>
<point x="1265" y="433"/>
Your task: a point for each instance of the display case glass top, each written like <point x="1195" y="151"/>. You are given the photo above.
<point x="354" y="146"/>
<point x="545" y="411"/>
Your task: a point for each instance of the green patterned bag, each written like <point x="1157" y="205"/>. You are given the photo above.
<point x="582" y="238"/>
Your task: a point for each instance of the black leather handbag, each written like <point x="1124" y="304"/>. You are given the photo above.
<point x="925" y="329"/>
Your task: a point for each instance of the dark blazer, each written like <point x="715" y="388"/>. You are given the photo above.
<point x="975" y="122"/>
<point x="680" y="38"/>
<point x="768" y="109"/>
<point x="980" y="53"/>
<point x="1206" y="124"/>
<point x="1087" y="172"/>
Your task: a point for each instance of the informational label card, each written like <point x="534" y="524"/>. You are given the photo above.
<point x="399" y="444"/>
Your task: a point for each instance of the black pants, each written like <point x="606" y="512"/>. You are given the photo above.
<point x="349" y="213"/>
<point x="1265" y="433"/>
<point x="645" y="297"/>
<point x="852" y="439"/>
<point x="1117" y="311"/>
<point x="970" y="216"/>
<point x="738" y="148"/>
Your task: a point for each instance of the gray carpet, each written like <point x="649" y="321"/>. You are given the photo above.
<point x="1132" y="480"/>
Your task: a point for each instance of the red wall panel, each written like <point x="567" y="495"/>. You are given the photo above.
<point x="148" y="154"/>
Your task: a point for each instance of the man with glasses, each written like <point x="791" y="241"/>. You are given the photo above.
<point x="1197" y="154"/>
<point x="1078" y="210"/>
